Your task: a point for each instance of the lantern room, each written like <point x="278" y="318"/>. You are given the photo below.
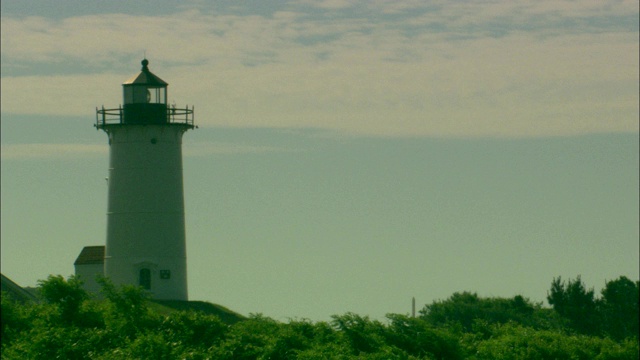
<point x="145" y="98"/>
<point x="145" y="103"/>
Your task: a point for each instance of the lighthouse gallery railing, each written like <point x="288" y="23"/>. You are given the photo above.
<point x="105" y="117"/>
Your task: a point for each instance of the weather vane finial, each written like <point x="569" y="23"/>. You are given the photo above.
<point x="145" y="62"/>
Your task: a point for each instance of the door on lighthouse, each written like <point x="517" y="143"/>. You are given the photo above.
<point x="145" y="279"/>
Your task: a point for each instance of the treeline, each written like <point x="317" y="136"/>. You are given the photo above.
<point x="69" y="324"/>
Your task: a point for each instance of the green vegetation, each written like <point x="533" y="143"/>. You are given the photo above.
<point x="126" y="324"/>
<point x="166" y="307"/>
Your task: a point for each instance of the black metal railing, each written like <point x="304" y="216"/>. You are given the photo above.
<point x="178" y="116"/>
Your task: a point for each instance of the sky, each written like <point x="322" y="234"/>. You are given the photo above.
<point x="350" y="155"/>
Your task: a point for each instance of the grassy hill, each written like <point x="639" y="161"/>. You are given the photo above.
<point x="166" y="307"/>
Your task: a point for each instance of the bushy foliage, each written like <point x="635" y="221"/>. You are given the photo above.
<point x="15" y="319"/>
<point x="419" y="338"/>
<point x="465" y="309"/>
<point x="67" y="295"/>
<point x="69" y="324"/>
<point x="512" y="341"/>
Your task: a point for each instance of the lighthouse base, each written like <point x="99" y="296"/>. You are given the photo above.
<point x="164" y="278"/>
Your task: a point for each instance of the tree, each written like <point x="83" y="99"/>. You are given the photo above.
<point x="248" y="339"/>
<point x="68" y="295"/>
<point x="619" y="306"/>
<point x="466" y="308"/>
<point x="193" y="328"/>
<point x="14" y="319"/>
<point x="361" y="333"/>
<point x="417" y="338"/>
<point x="577" y="304"/>
<point x="128" y="306"/>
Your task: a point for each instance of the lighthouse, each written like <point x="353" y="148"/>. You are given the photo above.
<point x="145" y="243"/>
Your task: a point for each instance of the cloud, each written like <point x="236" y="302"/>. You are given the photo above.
<point x="401" y="69"/>
<point x="331" y="4"/>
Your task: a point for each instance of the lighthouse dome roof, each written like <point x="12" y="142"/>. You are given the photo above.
<point x="146" y="77"/>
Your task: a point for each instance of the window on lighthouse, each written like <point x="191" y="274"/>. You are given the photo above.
<point x="156" y="96"/>
<point x="145" y="279"/>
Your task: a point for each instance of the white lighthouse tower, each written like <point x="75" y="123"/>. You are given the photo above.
<point x="145" y="217"/>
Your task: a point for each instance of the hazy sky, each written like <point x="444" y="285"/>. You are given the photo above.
<point x="350" y="155"/>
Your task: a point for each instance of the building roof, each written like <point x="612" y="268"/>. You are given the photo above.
<point x="146" y="77"/>
<point x="15" y="291"/>
<point x="91" y="255"/>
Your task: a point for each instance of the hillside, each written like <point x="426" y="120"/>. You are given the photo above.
<point x="166" y="307"/>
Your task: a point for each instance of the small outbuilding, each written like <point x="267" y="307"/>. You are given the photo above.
<point x="88" y="265"/>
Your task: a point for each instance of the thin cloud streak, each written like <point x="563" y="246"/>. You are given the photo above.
<point x="220" y="148"/>
<point x="75" y="151"/>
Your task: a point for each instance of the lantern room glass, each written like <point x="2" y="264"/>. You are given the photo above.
<point x="145" y="95"/>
